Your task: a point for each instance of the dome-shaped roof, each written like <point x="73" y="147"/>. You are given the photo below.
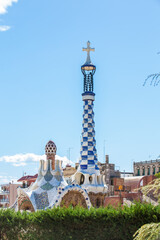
<point x="50" y="148"/>
<point x="88" y="67"/>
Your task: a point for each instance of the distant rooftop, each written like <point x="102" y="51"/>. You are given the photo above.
<point x="150" y="161"/>
<point x="27" y="178"/>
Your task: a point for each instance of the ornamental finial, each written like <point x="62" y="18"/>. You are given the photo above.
<point x="88" y="69"/>
<point x="88" y="50"/>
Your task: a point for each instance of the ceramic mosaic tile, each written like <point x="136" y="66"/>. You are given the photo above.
<point x="48" y="177"/>
<point x="47" y="186"/>
<point x="41" y="200"/>
<point x="88" y="153"/>
<point x="58" y="178"/>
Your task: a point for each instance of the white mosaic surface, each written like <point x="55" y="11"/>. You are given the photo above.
<point x="50" y="187"/>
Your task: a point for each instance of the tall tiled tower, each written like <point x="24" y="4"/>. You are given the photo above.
<point x="88" y="153"/>
<point x="88" y="174"/>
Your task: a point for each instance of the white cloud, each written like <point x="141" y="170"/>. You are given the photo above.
<point x="21" y="158"/>
<point x="18" y="160"/>
<point x="21" y="164"/>
<point x="6" y="179"/>
<point x="64" y="160"/>
<point x="4" y="28"/>
<point x="4" y="4"/>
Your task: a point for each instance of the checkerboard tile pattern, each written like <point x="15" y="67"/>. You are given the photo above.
<point x="41" y="200"/>
<point x="88" y="152"/>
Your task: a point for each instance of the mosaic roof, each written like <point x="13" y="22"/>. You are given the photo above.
<point x="50" y="148"/>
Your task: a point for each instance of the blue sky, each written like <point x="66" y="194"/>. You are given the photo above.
<point x="41" y="81"/>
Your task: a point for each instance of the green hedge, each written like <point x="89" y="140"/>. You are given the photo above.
<point x="77" y="224"/>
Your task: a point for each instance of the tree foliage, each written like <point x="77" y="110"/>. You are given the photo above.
<point x="150" y="231"/>
<point x="79" y="223"/>
<point x="152" y="188"/>
<point x="155" y="79"/>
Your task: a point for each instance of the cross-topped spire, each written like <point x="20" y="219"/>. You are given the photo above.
<point x="88" y="50"/>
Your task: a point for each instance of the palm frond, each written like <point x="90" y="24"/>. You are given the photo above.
<point x="154" y="79"/>
<point x="148" y="232"/>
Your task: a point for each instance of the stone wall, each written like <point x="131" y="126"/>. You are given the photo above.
<point x="73" y="198"/>
<point x="146" y="167"/>
<point x="115" y="201"/>
<point x="97" y="199"/>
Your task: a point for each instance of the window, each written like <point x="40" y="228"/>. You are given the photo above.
<point x="98" y="202"/>
<point x="112" y="182"/>
<point x="138" y="172"/>
<point x="148" y="171"/>
<point x="90" y="179"/>
<point x="82" y="179"/>
<point x="143" y="171"/>
<point x="154" y="170"/>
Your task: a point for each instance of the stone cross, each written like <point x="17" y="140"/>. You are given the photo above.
<point x="88" y="50"/>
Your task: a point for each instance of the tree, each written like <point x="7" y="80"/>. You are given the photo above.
<point x="153" y="188"/>
<point x="150" y="231"/>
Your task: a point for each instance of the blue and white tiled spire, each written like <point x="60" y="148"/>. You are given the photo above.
<point x="88" y="154"/>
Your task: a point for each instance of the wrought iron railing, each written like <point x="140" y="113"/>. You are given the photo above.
<point x="3" y="192"/>
<point x="150" y="161"/>
<point x="4" y="200"/>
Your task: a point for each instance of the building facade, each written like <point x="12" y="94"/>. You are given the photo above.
<point x="146" y="168"/>
<point x="125" y="174"/>
<point x="8" y="194"/>
<point x="27" y="180"/>
<point x="4" y="195"/>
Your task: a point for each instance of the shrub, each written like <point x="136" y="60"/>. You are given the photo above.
<point x="79" y="223"/>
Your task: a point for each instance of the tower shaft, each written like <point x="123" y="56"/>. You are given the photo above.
<point x="88" y="153"/>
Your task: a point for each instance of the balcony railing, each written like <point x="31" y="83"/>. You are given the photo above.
<point x="3" y="192"/>
<point x="4" y="201"/>
<point x="150" y="161"/>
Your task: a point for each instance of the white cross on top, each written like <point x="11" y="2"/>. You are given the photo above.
<point x="88" y="50"/>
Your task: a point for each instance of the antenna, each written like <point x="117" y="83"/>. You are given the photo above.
<point x="69" y="153"/>
<point x="104" y="149"/>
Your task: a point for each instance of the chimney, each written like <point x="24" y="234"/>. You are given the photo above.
<point x="107" y="159"/>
